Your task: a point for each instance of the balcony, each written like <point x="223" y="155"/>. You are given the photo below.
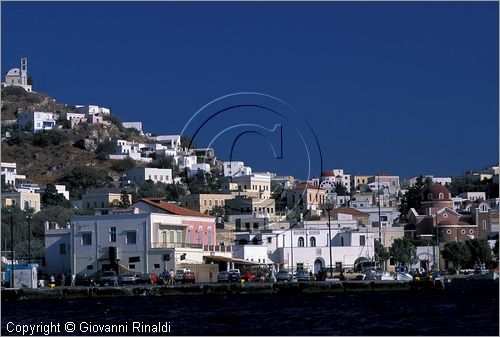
<point x="176" y="245"/>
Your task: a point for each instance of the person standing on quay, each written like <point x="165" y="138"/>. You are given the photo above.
<point x="63" y="280"/>
<point x="171" y="281"/>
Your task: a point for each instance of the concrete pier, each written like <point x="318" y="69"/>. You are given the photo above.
<point x="202" y="289"/>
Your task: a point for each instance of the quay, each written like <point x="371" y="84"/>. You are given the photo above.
<point x="209" y="288"/>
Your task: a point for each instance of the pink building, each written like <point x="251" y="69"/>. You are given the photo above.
<point x="200" y="227"/>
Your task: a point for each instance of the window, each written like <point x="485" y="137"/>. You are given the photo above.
<point x="179" y="236"/>
<point x="471" y="231"/>
<point x="269" y="240"/>
<point x="131" y="266"/>
<point x="131" y="237"/>
<point x="156" y="265"/>
<point x="301" y="242"/>
<point x="448" y="231"/>
<point x="484" y="224"/>
<point x="441" y="196"/>
<point x="209" y="202"/>
<point x="204" y="202"/>
<point x="362" y="240"/>
<point x="134" y="259"/>
<point x="166" y="257"/>
<point x="62" y="249"/>
<point x="86" y="239"/>
<point x="200" y="234"/>
<point x="312" y="241"/>
<point x="112" y="234"/>
<point x="462" y="231"/>
<point x="90" y="267"/>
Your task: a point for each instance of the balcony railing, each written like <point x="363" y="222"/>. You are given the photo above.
<point x="217" y="248"/>
<point x="176" y="245"/>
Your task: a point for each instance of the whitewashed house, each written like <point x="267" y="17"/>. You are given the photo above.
<point x="141" y="174"/>
<point x="37" y="121"/>
<point x="236" y="169"/>
<point x="92" y="110"/>
<point x="9" y="173"/>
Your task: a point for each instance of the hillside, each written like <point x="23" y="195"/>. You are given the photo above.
<point x="45" y="157"/>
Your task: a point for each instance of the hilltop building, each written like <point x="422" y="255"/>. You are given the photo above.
<point x="18" y="76"/>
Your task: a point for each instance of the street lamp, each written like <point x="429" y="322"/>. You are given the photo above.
<point x="328" y="209"/>
<point x="11" y="248"/>
<point x="28" y="217"/>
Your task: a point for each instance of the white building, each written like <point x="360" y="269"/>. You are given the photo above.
<point x="75" y="118"/>
<point x="308" y="247"/>
<point x="133" y="125"/>
<point x="37" y="121"/>
<point x="129" y="242"/>
<point x="410" y="182"/>
<point x="9" y="173"/>
<point x="186" y="162"/>
<point x="171" y="141"/>
<point x="61" y="189"/>
<point x="141" y="174"/>
<point x="362" y="200"/>
<point x="92" y="110"/>
<point x="125" y="149"/>
<point x="385" y="181"/>
<point x="252" y="185"/>
<point x="18" y="76"/>
<point x="388" y="215"/>
<point x="473" y="196"/>
<point x="236" y="169"/>
<point x="205" y="168"/>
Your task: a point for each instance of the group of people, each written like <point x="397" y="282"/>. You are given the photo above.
<point x="168" y="277"/>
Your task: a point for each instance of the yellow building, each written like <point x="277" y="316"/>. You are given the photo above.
<point x="101" y="199"/>
<point x="204" y="203"/>
<point x="23" y="200"/>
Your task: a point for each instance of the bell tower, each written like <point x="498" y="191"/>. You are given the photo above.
<point x="24" y="71"/>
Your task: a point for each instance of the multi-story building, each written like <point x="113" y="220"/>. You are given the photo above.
<point x="170" y="141"/>
<point x="133" y="125"/>
<point x="236" y="169"/>
<point x="101" y="198"/>
<point x="75" y="118"/>
<point x="37" y="121"/>
<point x="140" y="241"/>
<point x="256" y="206"/>
<point x="305" y="197"/>
<point x="357" y="180"/>
<point x="473" y="196"/>
<point x="141" y="174"/>
<point x="23" y="200"/>
<point x="9" y="173"/>
<point x="204" y="203"/>
<point x="410" y="182"/>
<point x="386" y="181"/>
<point x="251" y="185"/>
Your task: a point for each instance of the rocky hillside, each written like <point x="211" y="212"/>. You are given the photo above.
<point x="45" y="157"/>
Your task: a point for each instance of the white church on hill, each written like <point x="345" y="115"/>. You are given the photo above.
<point x="18" y="76"/>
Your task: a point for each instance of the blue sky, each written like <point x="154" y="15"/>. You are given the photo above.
<point x="405" y="88"/>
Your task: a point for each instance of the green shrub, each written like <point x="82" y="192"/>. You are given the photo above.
<point x="123" y="165"/>
<point x="48" y="137"/>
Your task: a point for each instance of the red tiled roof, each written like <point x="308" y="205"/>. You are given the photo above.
<point x="171" y="208"/>
<point x="327" y="174"/>
<point x="351" y="211"/>
<point x="307" y="186"/>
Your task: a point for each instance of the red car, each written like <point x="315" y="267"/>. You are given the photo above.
<point x="248" y="276"/>
<point x="189" y="277"/>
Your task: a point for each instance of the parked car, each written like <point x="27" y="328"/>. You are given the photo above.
<point x="283" y="276"/>
<point x="108" y="278"/>
<point x="247" y="276"/>
<point x="179" y="275"/>
<point x="325" y="273"/>
<point x="127" y="279"/>
<point x="303" y="276"/>
<point x="82" y="280"/>
<point x="189" y="277"/>
<point x="148" y="278"/>
<point x="223" y="277"/>
<point x="234" y="275"/>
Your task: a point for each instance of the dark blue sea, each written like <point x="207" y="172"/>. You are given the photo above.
<point x="464" y="308"/>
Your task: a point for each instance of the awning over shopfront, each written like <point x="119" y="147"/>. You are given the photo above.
<point x="218" y="259"/>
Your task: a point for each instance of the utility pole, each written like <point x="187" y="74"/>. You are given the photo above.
<point x="379" y="222"/>
<point x="328" y="209"/>
<point x="29" y="238"/>
<point x="11" y="249"/>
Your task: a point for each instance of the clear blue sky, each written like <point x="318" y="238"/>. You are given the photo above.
<point x="405" y="88"/>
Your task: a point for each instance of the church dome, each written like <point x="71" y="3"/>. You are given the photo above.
<point x="14" y="72"/>
<point x="438" y="192"/>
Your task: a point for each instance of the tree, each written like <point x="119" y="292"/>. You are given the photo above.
<point x="458" y="253"/>
<point x="187" y="141"/>
<point x="218" y="211"/>
<point x="414" y="196"/>
<point x="48" y="137"/>
<point x="403" y="251"/>
<point x="480" y="251"/>
<point x="340" y="189"/>
<point x="81" y="178"/>
<point x="104" y="149"/>
<point x="123" y="164"/>
<point x="381" y="252"/>
<point x="51" y="197"/>
<point x="124" y="199"/>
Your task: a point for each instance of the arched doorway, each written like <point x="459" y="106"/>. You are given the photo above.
<point x="318" y="264"/>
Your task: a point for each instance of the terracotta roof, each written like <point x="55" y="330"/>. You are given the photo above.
<point x="172" y="209"/>
<point x="436" y="189"/>
<point x="351" y="211"/>
<point x="307" y="186"/>
<point x="327" y="174"/>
